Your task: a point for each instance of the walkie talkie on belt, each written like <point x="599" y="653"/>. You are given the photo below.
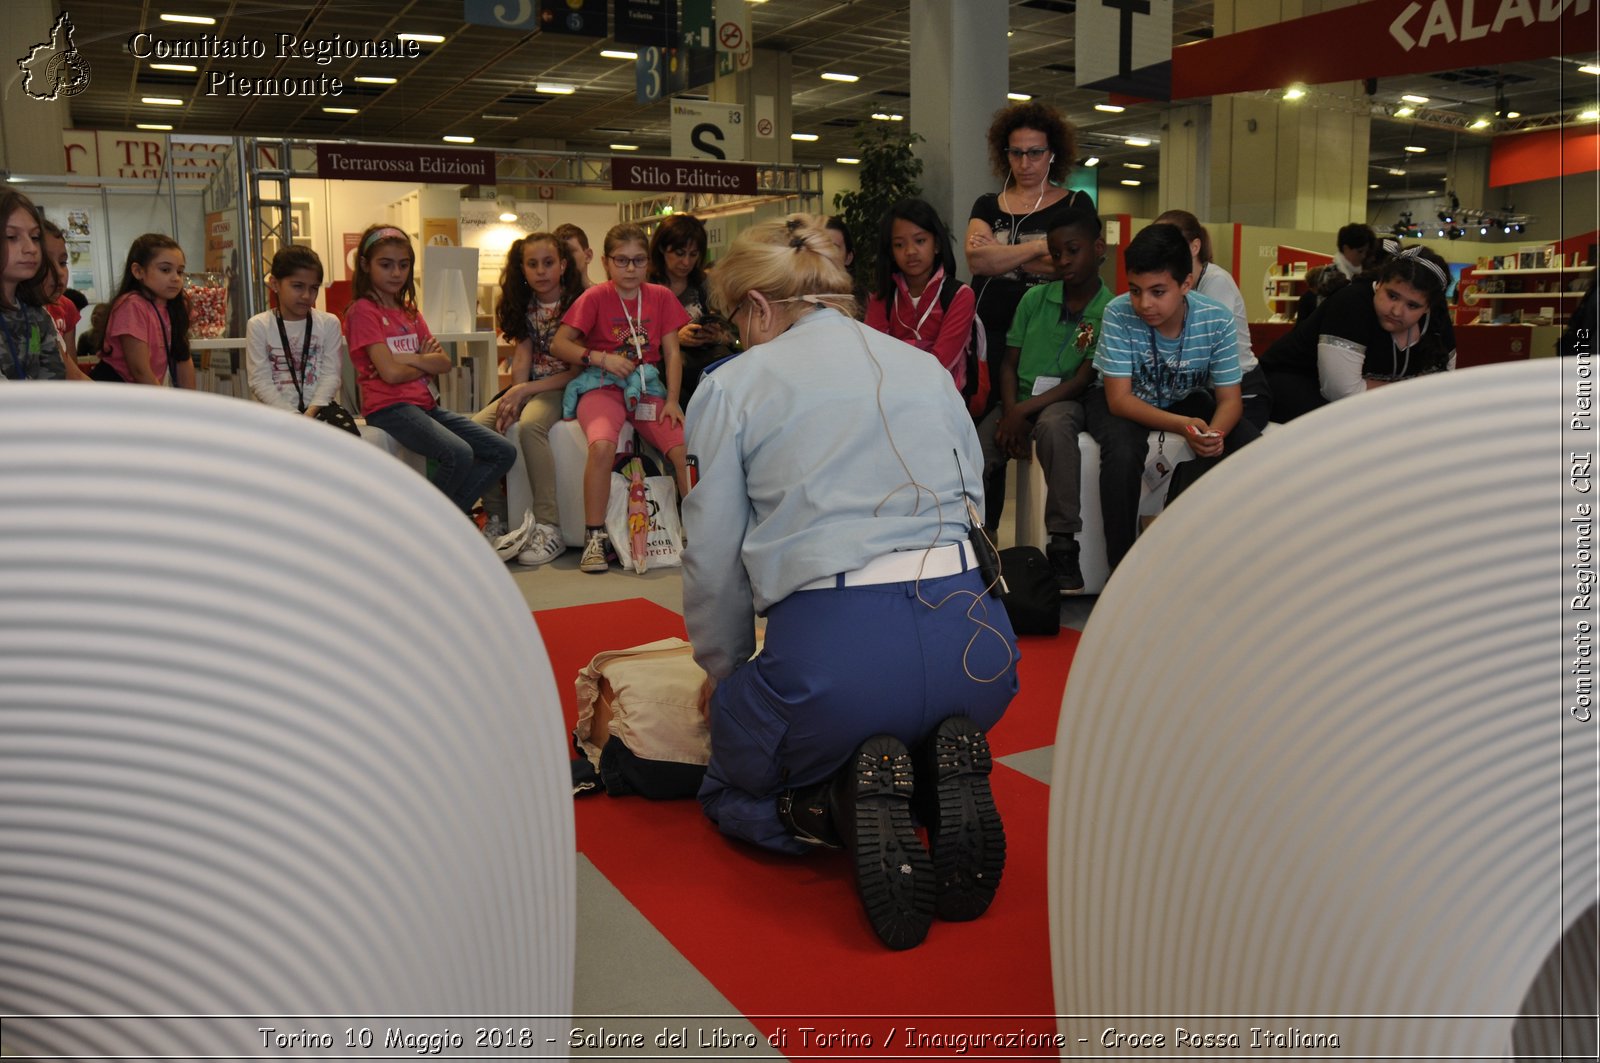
<point x="983" y="551"/>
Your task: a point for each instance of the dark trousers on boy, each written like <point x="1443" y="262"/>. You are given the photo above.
<point x="1124" y="445"/>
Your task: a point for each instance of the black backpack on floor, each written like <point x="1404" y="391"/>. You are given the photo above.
<point x="1032" y="598"/>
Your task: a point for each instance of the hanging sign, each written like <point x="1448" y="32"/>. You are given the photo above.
<point x="707" y="130"/>
<point x="423" y="165"/>
<point x="658" y="74"/>
<point x="505" y="14"/>
<point x="1125" y="46"/>
<point x="576" y="18"/>
<point x="647" y="22"/>
<point x="735" y="49"/>
<point x="676" y="175"/>
<point x="1415" y="37"/>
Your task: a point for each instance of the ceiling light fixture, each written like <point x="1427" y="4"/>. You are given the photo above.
<point x="452" y="139"/>
<point x="1130" y="182"/>
<point x="1396" y="173"/>
<point x="1482" y="123"/>
<point x="1133" y="165"/>
<point x="1018" y="97"/>
<point x="181" y="68"/>
<point x="1405" y="112"/>
<point x="1137" y="142"/>
<point x="501" y="117"/>
<point x="1294" y="92"/>
<point x="882" y="117"/>
<point x="803" y="136"/>
<point x="1093" y="160"/>
<point x="340" y="110"/>
<point x="1372" y="186"/>
<point x="192" y="20"/>
<point x="1110" y="108"/>
<point x="161" y="101"/>
<point x="617" y="53"/>
<point x="1415" y="149"/>
<point x="420" y="38"/>
<point x="376" y="80"/>
<point x="1589" y="68"/>
<point x="1588" y="116"/>
<point x="508" y="211"/>
<point x="847" y="161"/>
<point x="1513" y="114"/>
<point x="554" y="88"/>
<point x="157" y="126"/>
<point x="624" y="147"/>
<point x="1412" y="97"/>
<point x="848" y="79"/>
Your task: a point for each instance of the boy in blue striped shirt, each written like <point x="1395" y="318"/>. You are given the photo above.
<point x="1168" y="359"/>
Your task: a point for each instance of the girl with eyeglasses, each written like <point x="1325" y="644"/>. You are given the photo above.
<point x="624" y="335"/>
<point x="1031" y="148"/>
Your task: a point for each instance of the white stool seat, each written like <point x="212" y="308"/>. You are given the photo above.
<point x="571" y="452"/>
<point x="1092" y="539"/>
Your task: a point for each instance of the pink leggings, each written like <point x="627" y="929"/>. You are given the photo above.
<point x="601" y="414"/>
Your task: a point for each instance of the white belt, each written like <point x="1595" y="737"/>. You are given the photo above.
<point x="900" y="567"/>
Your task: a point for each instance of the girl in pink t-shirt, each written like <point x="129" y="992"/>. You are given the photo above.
<point x="147" y="333"/>
<point x="395" y="356"/>
<point x="614" y="329"/>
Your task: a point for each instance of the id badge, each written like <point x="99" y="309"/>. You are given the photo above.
<point x="1157" y="472"/>
<point x="647" y="409"/>
<point x="1042" y="384"/>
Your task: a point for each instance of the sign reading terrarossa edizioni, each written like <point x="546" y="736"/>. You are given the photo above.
<point x="426" y="165"/>
<point x="676" y="175"/>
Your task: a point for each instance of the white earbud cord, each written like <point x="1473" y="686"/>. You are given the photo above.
<point x="918" y="489"/>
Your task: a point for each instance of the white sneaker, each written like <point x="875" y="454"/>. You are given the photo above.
<point x="594" y="553"/>
<point x="512" y="543"/>
<point x="544" y="546"/>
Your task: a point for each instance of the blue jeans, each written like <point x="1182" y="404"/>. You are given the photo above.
<point x="469" y="456"/>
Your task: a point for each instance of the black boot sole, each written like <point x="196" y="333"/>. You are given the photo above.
<point x="965" y="833"/>
<point x="894" y="875"/>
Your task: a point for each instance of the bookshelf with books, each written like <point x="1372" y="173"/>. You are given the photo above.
<point x="1286" y="278"/>
<point x="1538" y="285"/>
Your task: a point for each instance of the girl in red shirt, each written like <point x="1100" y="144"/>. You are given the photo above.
<point x="395" y="356"/>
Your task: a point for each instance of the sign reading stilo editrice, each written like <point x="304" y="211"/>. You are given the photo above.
<point x="438" y="165"/>
<point x="676" y="175"/>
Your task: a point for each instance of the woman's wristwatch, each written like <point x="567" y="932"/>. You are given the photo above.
<point x="586" y="357"/>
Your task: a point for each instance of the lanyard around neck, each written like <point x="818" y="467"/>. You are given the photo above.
<point x="1159" y="366"/>
<point x="288" y="357"/>
<point x="935" y="282"/>
<point x="636" y="334"/>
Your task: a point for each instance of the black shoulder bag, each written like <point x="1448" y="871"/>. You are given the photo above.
<point x="333" y="413"/>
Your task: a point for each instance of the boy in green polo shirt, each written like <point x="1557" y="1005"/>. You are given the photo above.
<point x="1047" y="368"/>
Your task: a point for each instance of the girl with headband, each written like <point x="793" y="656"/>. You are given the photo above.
<point x="396" y="358"/>
<point x="1365" y="336"/>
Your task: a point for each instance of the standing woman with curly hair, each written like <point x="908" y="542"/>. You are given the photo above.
<point x="1031" y="148"/>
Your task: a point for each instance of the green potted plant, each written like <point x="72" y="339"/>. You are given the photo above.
<point x="889" y="173"/>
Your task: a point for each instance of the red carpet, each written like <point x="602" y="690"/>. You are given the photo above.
<point x="784" y="939"/>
